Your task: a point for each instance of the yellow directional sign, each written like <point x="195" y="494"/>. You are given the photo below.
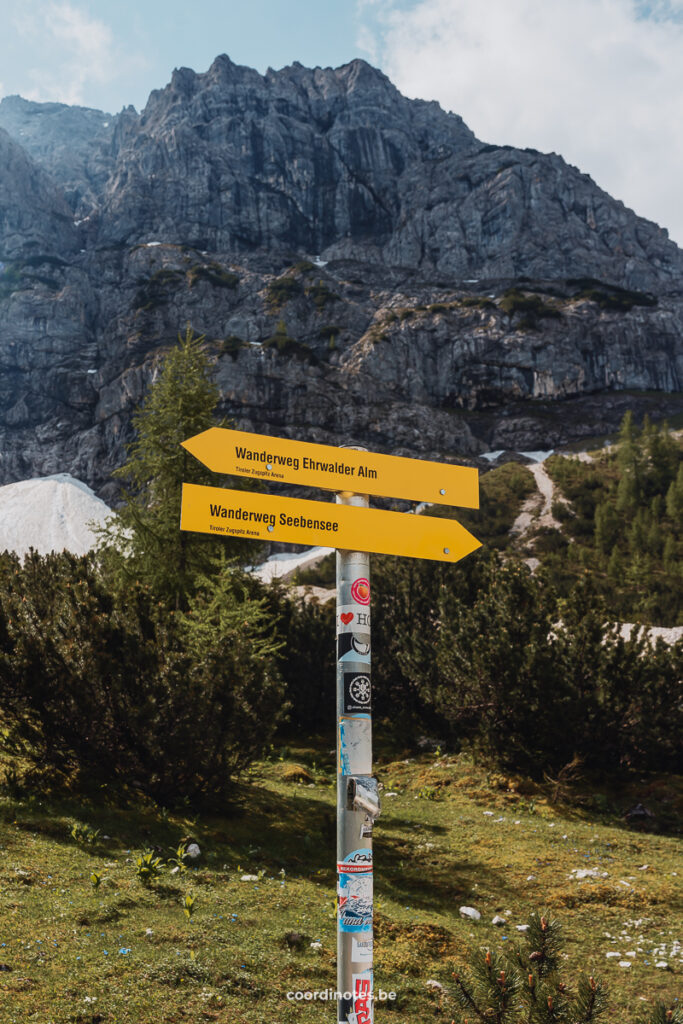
<point x="269" y="517"/>
<point x="334" y="469"/>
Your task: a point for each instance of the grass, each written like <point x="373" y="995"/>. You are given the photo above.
<point x="453" y="835"/>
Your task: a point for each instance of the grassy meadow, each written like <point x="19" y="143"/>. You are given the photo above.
<point x="451" y="835"/>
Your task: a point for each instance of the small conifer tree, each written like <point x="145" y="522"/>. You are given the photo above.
<point x="144" y="541"/>
<point x="527" y="987"/>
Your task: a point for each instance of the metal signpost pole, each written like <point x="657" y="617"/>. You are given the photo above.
<point x="357" y="791"/>
<point x="231" y="513"/>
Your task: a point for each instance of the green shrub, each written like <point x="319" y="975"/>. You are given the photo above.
<point x="283" y="290"/>
<point x="515" y="301"/>
<point x="530" y="983"/>
<point x="214" y="275"/>
<point x="113" y="687"/>
<point x="153" y="291"/>
<point x="322" y="295"/>
<point x="486" y="653"/>
<point x="286" y="346"/>
<point x="610" y="297"/>
<point x="502" y="492"/>
<point x="232" y="346"/>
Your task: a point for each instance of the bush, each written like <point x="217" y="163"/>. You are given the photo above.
<point x="485" y="653"/>
<point x="282" y="290"/>
<point x="111" y="687"/>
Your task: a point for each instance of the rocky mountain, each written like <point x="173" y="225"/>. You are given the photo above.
<point x="361" y="265"/>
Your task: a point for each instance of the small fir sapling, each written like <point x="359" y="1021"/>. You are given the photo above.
<point x="526" y="988"/>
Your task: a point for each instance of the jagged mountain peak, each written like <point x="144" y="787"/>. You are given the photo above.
<point x="360" y="264"/>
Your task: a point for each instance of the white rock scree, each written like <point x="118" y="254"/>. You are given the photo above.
<point x="52" y="513"/>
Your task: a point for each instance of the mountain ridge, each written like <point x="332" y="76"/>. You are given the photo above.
<point x="326" y="233"/>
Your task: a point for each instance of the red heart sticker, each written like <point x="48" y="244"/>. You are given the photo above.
<point x="346" y="617"/>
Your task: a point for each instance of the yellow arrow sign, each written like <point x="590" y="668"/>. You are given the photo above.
<point x="334" y="469"/>
<point x="269" y="517"/>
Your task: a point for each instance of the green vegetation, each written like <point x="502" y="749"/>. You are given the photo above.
<point x="286" y="346"/>
<point x="101" y="684"/>
<point x="232" y="346"/>
<point x="532" y="306"/>
<point x="153" y="291"/>
<point x="11" y="280"/>
<point x="162" y="861"/>
<point x="477" y="302"/>
<point x="624" y="522"/>
<point x="214" y="275"/>
<point x="127" y="953"/>
<point x="489" y="655"/>
<point x="143" y="542"/>
<point x="610" y="297"/>
<point x="322" y="295"/>
<point x="283" y="290"/>
<point x="501" y="493"/>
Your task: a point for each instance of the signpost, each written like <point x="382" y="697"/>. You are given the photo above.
<point x="354" y="529"/>
<point x="269" y="517"/>
<point x="334" y="469"/>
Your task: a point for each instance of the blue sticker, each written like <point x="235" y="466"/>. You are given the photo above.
<point x="355" y="902"/>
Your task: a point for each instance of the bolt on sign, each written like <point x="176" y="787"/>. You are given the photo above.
<point x="355" y="530"/>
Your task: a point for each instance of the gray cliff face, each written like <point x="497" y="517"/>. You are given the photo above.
<point x="34" y="216"/>
<point x="75" y="145"/>
<point x="468" y="296"/>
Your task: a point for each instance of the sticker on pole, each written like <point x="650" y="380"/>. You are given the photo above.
<point x="353" y="647"/>
<point x="352" y="619"/>
<point x="355" y="745"/>
<point x="360" y="591"/>
<point x="361" y="950"/>
<point x="357" y="862"/>
<point x="357" y="693"/>
<point x="355" y="902"/>
<point x="362" y="999"/>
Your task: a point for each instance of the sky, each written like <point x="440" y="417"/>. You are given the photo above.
<point x="598" y="81"/>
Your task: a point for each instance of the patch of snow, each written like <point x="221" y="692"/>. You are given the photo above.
<point x="492" y="456"/>
<point x="537" y="456"/>
<point x="283" y="565"/>
<point x="670" y="635"/>
<point x="51" y="513"/>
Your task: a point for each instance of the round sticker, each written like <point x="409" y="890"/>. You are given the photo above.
<point x="360" y="689"/>
<point x="360" y="591"/>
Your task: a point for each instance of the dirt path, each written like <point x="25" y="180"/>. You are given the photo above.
<point x="537" y="510"/>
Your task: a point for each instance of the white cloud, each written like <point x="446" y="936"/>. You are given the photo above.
<point x="599" y="81"/>
<point x="73" y="51"/>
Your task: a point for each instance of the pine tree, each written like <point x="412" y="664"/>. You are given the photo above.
<point x="674" y="497"/>
<point x="527" y="987"/>
<point x="144" y="541"/>
<point x="629" y="460"/>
